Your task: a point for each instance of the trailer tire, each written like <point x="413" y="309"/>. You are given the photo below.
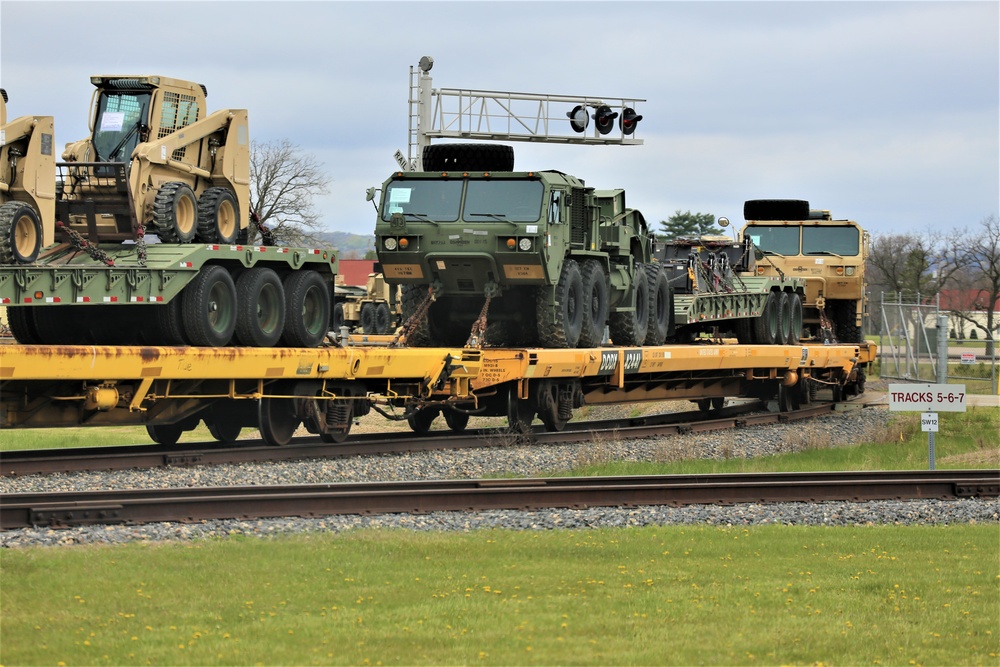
<point x="560" y="323"/>
<point x="660" y="305"/>
<point x="209" y="308"/>
<point x="307" y="309"/>
<point x="22" y="325"/>
<point x="175" y="213"/>
<point x="765" y="327"/>
<point x="382" y="318"/>
<point x="471" y="157"/>
<point x="595" y="303"/>
<point x="629" y="328"/>
<point x="368" y="318"/>
<point x="260" y="318"/>
<point x="20" y="233"/>
<point x="218" y="217"/>
<point x="776" y="209"/>
<point x="168" y="324"/>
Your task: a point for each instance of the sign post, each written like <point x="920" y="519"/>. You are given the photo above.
<point x="929" y="399"/>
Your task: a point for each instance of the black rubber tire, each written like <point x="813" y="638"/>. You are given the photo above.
<point x="22" y="324"/>
<point x="209" y="308"/>
<point x="457" y="421"/>
<point x="560" y="323"/>
<point x="260" y="318"/>
<point x="382" y="318"/>
<point x="776" y="209"/>
<point x="421" y="420"/>
<point x="218" y="217"/>
<point x="338" y="317"/>
<point x="307" y="309"/>
<point x="20" y="233"/>
<point x="168" y="324"/>
<point x="277" y="420"/>
<point x="843" y="312"/>
<point x="368" y="318"/>
<point x="595" y="303"/>
<point x="765" y="327"/>
<point x="660" y="305"/>
<point x="175" y="213"/>
<point x="411" y="298"/>
<point x="630" y="328"/>
<point x="468" y="157"/>
<point x="795" y="325"/>
<point x="165" y="434"/>
<point x="784" y="318"/>
<point x="743" y="328"/>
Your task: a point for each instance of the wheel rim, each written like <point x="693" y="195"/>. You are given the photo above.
<point x="269" y="308"/>
<point x="25" y="236"/>
<point x="312" y="311"/>
<point x="186" y="215"/>
<point x="221" y="309"/>
<point x="226" y="219"/>
<point x="277" y="420"/>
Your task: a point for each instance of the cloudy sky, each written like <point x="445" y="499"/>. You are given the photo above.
<point x="884" y="112"/>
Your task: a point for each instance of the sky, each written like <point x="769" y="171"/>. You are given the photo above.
<point x="882" y="112"/>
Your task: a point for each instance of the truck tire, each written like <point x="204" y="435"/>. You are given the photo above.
<point x="559" y="311"/>
<point x="796" y="319"/>
<point x="765" y="330"/>
<point x="776" y="209"/>
<point x="209" y="308"/>
<point x="595" y="303"/>
<point x="368" y="318"/>
<point x="20" y="233"/>
<point x="175" y="213"/>
<point x="218" y="217"/>
<point x="630" y="328"/>
<point x="260" y="317"/>
<point x="168" y="324"/>
<point x="22" y="325"/>
<point x="338" y="317"/>
<point x="660" y="305"/>
<point x="307" y="309"/>
<point x="784" y="318"/>
<point x="469" y="157"/>
<point x="843" y="312"/>
<point x="382" y="318"/>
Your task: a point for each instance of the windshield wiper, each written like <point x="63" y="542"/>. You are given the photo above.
<point x="496" y="216"/>
<point x="824" y="252"/>
<point x="422" y="217"/>
<point x="121" y="144"/>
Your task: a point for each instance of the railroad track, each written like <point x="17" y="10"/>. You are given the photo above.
<point x="31" y="462"/>
<point x="67" y="509"/>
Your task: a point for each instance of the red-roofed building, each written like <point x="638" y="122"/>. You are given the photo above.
<point x="355" y="271"/>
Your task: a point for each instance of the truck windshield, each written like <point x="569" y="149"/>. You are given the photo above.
<point x="773" y="238"/>
<point x="844" y="241"/>
<point x="118" y="126"/>
<point x="438" y="201"/>
<point x="514" y="201"/>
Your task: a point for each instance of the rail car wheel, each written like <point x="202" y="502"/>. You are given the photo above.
<point x="421" y="420"/>
<point x="714" y="403"/>
<point x="630" y="328"/>
<point x="22" y="325"/>
<point x="260" y="318"/>
<point x="788" y="398"/>
<point x="175" y="213"/>
<point x="209" y="308"/>
<point x="547" y="398"/>
<point x="223" y="427"/>
<point x="595" y="303"/>
<point x="766" y="326"/>
<point x="382" y="318"/>
<point x="307" y="309"/>
<point x="277" y="420"/>
<point x="784" y="309"/>
<point x="660" y="306"/>
<point x="218" y="216"/>
<point x="560" y="312"/>
<point x="165" y="434"/>
<point x="339" y="417"/>
<point x="20" y="233"/>
<point x="519" y="413"/>
<point x="457" y="421"/>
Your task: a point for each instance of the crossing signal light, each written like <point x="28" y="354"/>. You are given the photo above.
<point x="578" y="118"/>
<point x="629" y="120"/>
<point x="605" y="118"/>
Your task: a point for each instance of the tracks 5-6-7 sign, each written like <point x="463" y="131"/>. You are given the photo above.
<point x="927" y="397"/>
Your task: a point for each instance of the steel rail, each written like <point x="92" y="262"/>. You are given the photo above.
<point x="65" y="509"/>
<point x="19" y="463"/>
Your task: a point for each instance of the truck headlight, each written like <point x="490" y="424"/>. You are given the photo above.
<point x="850" y="270"/>
<point x="524" y="244"/>
<point x="390" y="243"/>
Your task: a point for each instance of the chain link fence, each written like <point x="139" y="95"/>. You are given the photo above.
<point x="908" y="335"/>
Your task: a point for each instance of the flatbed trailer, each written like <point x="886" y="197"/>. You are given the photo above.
<point x="171" y="389"/>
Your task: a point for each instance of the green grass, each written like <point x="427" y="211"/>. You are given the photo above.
<point x="655" y="595"/>
<point x="98" y="436"/>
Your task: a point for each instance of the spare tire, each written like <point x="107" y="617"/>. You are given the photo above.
<point x="468" y="157"/>
<point x="776" y="209"/>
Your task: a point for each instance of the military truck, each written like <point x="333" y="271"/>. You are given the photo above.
<point x="152" y="211"/>
<point x="368" y="309"/>
<point x="828" y="254"/>
<point x="27" y="185"/>
<point x="539" y="258"/>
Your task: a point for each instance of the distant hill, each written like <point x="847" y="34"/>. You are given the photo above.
<point x="348" y="246"/>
